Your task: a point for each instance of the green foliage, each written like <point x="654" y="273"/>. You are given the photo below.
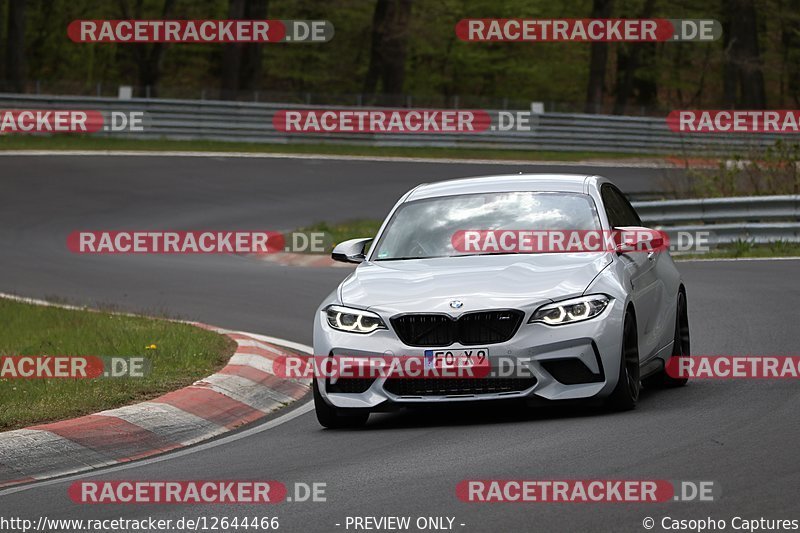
<point x="783" y="248"/>
<point x="439" y="67"/>
<point x="182" y="354"/>
<point x="342" y="231"/>
<point x="741" y="247"/>
<point x="745" y="172"/>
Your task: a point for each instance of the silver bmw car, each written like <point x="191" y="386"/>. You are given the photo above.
<point x="582" y="323"/>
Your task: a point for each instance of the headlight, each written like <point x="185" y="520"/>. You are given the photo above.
<point x="353" y="320"/>
<point x="570" y="311"/>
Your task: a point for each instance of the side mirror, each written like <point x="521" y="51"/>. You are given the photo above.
<point x="639" y="239"/>
<point x="351" y="251"/>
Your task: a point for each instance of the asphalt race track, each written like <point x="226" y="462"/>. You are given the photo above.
<point x="743" y="435"/>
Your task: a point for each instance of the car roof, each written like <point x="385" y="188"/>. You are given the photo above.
<point x="574" y="183"/>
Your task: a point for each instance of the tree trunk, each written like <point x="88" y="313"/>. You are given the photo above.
<point x="387" y="62"/>
<point x="3" y="88"/>
<point x="232" y="55"/>
<point x="627" y="63"/>
<point x="395" y="42"/>
<point x="598" y="58"/>
<point x="376" y="50"/>
<point x="743" y="68"/>
<point x="15" y="46"/>
<point x="148" y="58"/>
<point x="629" y="59"/>
<point x="250" y="65"/>
<point x="241" y="63"/>
<point x="646" y="87"/>
<point x="790" y="41"/>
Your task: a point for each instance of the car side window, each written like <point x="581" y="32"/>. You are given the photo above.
<point x="629" y="213"/>
<point x="612" y="206"/>
<point x="619" y="210"/>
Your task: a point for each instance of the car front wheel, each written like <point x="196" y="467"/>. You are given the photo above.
<point x="626" y="393"/>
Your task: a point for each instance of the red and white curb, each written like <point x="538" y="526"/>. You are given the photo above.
<point x="243" y="391"/>
<point x="303" y="260"/>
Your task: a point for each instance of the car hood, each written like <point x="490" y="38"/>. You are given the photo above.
<point x="478" y="282"/>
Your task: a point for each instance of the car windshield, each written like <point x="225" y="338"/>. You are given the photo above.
<point x="424" y="229"/>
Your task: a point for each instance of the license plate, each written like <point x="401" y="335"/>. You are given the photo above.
<point x="470" y="358"/>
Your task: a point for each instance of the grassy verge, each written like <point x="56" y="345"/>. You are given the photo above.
<point x="351" y="229"/>
<point x="367" y="228"/>
<point x="182" y="354"/>
<point x="74" y="142"/>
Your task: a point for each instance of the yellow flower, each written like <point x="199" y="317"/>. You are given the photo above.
<point x="151" y="347"/>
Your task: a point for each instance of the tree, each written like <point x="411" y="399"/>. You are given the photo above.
<point x="250" y="73"/>
<point x="743" y="79"/>
<point x="387" y="60"/>
<point x="148" y="57"/>
<point x="790" y="56"/>
<point x="2" y="47"/>
<point x="241" y="63"/>
<point x="598" y="58"/>
<point x="15" y="46"/>
<point x="631" y="56"/>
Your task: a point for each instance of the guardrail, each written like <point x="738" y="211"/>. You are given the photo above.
<point x="757" y="219"/>
<point x="252" y="122"/>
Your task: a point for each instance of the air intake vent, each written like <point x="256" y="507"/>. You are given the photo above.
<point x="457" y="386"/>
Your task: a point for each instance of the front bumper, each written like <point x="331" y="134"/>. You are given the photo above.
<point x="567" y="362"/>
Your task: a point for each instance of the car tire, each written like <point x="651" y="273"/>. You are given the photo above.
<point x="626" y="393"/>
<point x="680" y="347"/>
<point x="336" y="417"/>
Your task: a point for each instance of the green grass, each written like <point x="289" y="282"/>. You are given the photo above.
<point x="79" y="142"/>
<point x="352" y="229"/>
<point x="182" y="355"/>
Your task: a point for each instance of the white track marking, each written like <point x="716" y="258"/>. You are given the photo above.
<point x="254" y="361"/>
<point x="281" y="342"/>
<point x="299" y="411"/>
<point x="243" y="390"/>
<point x="61" y="455"/>
<point x="167" y="421"/>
